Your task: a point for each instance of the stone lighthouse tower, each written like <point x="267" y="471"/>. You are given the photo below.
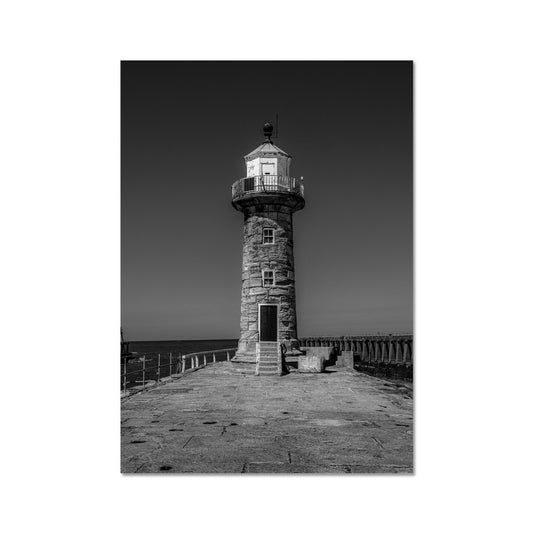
<point x="267" y="197"/>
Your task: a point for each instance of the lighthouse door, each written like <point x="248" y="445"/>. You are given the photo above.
<point x="268" y="323"/>
<point x="268" y="178"/>
<point x="268" y="168"/>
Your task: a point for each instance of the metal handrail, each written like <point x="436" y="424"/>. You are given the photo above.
<point x="266" y="183"/>
<point x="180" y="363"/>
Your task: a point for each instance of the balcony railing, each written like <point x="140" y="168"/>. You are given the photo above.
<point x="267" y="183"/>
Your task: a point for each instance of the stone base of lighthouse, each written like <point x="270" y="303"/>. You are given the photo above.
<point x="268" y="311"/>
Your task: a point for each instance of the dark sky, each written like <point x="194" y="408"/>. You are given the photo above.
<point x="185" y="129"/>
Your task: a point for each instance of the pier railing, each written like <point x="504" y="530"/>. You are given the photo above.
<point x="390" y="355"/>
<point x="135" y="374"/>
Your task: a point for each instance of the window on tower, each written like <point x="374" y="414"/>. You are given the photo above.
<point x="268" y="278"/>
<point x="268" y="235"/>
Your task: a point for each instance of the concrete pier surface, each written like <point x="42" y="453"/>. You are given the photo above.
<point x="216" y="421"/>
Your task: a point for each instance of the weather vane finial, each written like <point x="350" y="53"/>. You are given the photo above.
<point x="268" y="129"/>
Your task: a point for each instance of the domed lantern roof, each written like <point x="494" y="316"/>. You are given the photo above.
<point x="267" y="149"/>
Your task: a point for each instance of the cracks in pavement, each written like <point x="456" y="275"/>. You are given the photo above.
<point x="378" y="442"/>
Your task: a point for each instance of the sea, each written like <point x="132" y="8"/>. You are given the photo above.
<point x="180" y="347"/>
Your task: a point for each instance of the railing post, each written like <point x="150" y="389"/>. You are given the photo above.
<point x="205" y="359"/>
<point x="144" y="369"/>
<point x="124" y="382"/>
<point x="158" y="367"/>
<point x="182" y="364"/>
<point x="213" y="357"/>
<point x="227" y="355"/>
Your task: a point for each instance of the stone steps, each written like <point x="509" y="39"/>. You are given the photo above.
<point x="268" y="361"/>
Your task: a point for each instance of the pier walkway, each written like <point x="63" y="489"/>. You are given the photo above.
<point x="216" y="421"/>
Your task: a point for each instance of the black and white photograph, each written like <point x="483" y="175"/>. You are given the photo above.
<point x="267" y="267"/>
<point x="306" y="227"/>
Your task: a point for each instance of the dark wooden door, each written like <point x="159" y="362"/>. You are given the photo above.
<point x="268" y="323"/>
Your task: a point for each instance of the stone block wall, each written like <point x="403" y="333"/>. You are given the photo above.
<point x="257" y="257"/>
<point x="311" y="363"/>
<point x="324" y="351"/>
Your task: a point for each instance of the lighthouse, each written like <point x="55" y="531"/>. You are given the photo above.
<point x="268" y="196"/>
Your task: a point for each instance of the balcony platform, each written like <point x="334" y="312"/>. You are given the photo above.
<point x="277" y="190"/>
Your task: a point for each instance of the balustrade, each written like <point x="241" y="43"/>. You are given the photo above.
<point x="266" y="184"/>
<point x="372" y="351"/>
